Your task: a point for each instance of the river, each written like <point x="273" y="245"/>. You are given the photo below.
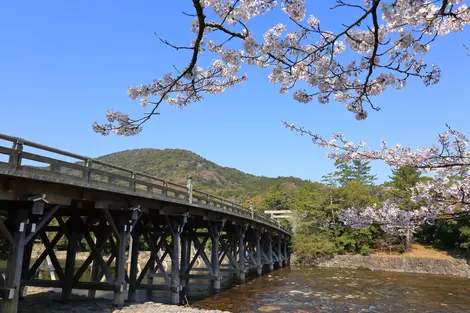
<point x="344" y="290"/>
<point x="300" y="291"/>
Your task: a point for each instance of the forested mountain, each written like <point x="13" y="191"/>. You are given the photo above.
<point x="177" y="164"/>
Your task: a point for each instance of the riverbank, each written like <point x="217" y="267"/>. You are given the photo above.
<point x="395" y="263"/>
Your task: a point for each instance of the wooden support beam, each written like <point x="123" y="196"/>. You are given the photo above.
<point x="17" y="222"/>
<point x="270" y="252"/>
<point x="67" y="280"/>
<point x="241" y="253"/>
<point x="279" y="251"/>
<point x="134" y="255"/>
<point x="176" y="227"/>
<point x="185" y="259"/>
<point x="215" y="229"/>
<point x="5" y="233"/>
<point x="49" y="251"/>
<point x="201" y="252"/>
<point x="95" y="268"/>
<point x="98" y="257"/>
<point x="198" y="250"/>
<point x="101" y="241"/>
<point x="259" y="269"/>
<point x="230" y="251"/>
<point x="28" y="249"/>
<point x="286" y="256"/>
<point x="44" y="221"/>
<point x="120" y="278"/>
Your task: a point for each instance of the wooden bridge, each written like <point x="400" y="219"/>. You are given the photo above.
<point x="47" y="194"/>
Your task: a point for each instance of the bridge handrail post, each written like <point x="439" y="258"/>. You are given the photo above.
<point x="165" y="188"/>
<point x="87" y="172"/>
<point x="132" y="182"/>
<point x="16" y="154"/>
<point x="252" y="210"/>
<point x="189" y="185"/>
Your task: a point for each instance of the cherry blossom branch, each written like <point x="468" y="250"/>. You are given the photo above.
<point x="387" y="39"/>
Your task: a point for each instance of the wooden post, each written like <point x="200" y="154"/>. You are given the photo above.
<point x="69" y="262"/>
<point x="95" y="266"/>
<point x="286" y="257"/>
<point x="28" y="249"/>
<point x="279" y="251"/>
<point x="216" y="230"/>
<point x="190" y="189"/>
<point x="133" y="271"/>
<point x="241" y="253"/>
<point x="270" y="252"/>
<point x="120" y="275"/>
<point x="258" y="253"/>
<point x="185" y="259"/>
<point x="233" y="250"/>
<point x="175" y="270"/>
<point x="17" y="221"/>
<point x="151" y="268"/>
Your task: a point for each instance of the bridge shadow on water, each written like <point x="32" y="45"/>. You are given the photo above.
<point x="47" y="300"/>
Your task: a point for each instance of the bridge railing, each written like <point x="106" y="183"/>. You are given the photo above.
<point x="51" y="163"/>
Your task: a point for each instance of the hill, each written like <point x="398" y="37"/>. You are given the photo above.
<point x="177" y="164"/>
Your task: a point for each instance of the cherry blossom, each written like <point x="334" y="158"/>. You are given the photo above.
<point x="385" y="41"/>
<point x="447" y="193"/>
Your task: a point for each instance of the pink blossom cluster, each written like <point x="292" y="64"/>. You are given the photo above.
<point x="447" y="193"/>
<point x="387" y="41"/>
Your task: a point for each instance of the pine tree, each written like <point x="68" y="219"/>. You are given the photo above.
<point x="403" y="181"/>
<point x="355" y="171"/>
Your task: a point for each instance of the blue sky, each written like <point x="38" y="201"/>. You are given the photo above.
<point x="64" y="63"/>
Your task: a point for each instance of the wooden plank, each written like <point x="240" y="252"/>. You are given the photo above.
<point x="111" y="223"/>
<point x="6" y="233"/>
<point x="51" y="161"/>
<point x="120" y="279"/>
<point x="15" y="259"/>
<point x="67" y="281"/>
<point x="45" y="219"/>
<point x="175" y="267"/>
<point x="99" y="258"/>
<point x="203" y="254"/>
<point x="151" y="287"/>
<point x="49" y="251"/>
<point x="133" y="270"/>
<point x="75" y="285"/>
<point x="100" y="244"/>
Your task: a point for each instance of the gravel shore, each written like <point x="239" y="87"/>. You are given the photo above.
<point x="48" y="302"/>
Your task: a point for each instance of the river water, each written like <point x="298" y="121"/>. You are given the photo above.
<point x="344" y="290"/>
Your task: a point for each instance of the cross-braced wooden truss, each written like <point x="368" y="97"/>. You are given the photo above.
<point x="197" y="247"/>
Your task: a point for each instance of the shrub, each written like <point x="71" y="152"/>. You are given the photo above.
<point x="311" y="249"/>
<point x="365" y="250"/>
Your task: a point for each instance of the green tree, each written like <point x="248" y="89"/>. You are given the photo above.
<point x="354" y="171"/>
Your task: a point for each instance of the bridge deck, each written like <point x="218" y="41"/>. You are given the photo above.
<point x="97" y="175"/>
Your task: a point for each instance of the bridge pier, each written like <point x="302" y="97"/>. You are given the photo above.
<point x="185" y="259"/>
<point x="73" y="237"/>
<point x="120" y="285"/>
<point x="215" y="231"/>
<point x="133" y="270"/>
<point x="176" y="228"/>
<point x="286" y="257"/>
<point x="259" y="264"/>
<point x="14" y="231"/>
<point x="241" y="253"/>
<point x="270" y="252"/>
